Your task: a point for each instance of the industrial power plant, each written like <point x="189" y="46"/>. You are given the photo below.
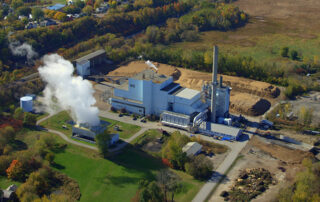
<point x="206" y="111"/>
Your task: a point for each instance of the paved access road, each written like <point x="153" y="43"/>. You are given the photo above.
<point x="205" y="191"/>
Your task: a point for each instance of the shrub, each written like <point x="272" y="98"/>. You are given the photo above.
<point x="50" y="157"/>
<point x="113" y="109"/>
<point x="284" y="52"/>
<point x="4" y="164"/>
<point x="123" y="111"/>
<point x="199" y="167"/>
<point x="102" y="141"/>
<point x="15" y="171"/>
<point x="294" y="55"/>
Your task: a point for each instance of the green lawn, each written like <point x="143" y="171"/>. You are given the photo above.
<point x="58" y="2"/>
<point x="5" y="183"/>
<point x="116" y="179"/>
<point x="112" y="179"/>
<point x="127" y="130"/>
<point x="57" y="121"/>
<point x="147" y="136"/>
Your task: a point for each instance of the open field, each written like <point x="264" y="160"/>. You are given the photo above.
<point x="283" y="163"/>
<point x="273" y="24"/>
<point x="57" y="121"/>
<point x="115" y="178"/>
<point x="126" y="129"/>
<point x="247" y="96"/>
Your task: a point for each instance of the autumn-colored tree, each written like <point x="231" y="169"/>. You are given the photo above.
<point x="50" y="157"/>
<point x="15" y="171"/>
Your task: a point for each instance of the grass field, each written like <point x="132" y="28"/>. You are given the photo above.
<point x="127" y="130"/>
<point x="5" y="183"/>
<point x="147" y="136"/>
<point x="58" y="2"/>
<point x="57" y="121"/>
<point x="113" y="179"/>
<point x="272" y="25"/>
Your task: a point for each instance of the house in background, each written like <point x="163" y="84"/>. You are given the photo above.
<point x="56" y="7"/>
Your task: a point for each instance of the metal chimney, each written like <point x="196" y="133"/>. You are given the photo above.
<point x="214" y="83"/>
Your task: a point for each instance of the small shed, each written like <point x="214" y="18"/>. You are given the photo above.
<point x="114" y="138"/>
<point x="95" y="58"/>
<point x="192" y="148"/>
<point x="9" y="193"/>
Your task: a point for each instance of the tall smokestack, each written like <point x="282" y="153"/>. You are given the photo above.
<point x="214" y="83"/>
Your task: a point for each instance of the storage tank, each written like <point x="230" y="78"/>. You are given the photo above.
<point x="26" y="103"/>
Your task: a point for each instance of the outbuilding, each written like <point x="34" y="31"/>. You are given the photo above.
<point x="219" y="130"/>
<point x="192" y="148"/>
<point x="114" y="138"/>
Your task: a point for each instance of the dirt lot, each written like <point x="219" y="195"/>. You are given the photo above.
<point x="247" y="96"/>
<point x="312" y="101"/>
<point x="299" y="14"/>
<point x="273" y="24"/>
<point x="283" y="163"/>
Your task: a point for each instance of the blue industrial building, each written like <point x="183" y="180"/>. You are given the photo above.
<point x="148" y="93"/>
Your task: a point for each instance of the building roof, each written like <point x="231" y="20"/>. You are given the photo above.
<point x="82" y="62"/>
<point x="56" y="7"/>
<point x="223" y="129"/>
<point x="91" y="55"/>
<point x="170" y="87"/>
<point x="96" y="129"/>
<point x="26" y="98"/>
<point x="187" y="93"/>
<point x="192" y="148"/>
<point x="149" y="74"/>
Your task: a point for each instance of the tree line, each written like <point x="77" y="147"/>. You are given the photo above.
<point x="48" y="39"/>
<point x="31" y="167"/>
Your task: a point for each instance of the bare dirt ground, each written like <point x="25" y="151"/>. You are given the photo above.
<point x="282" y="162"/>
<point x="298" y="14"/>
<point x="311" y="101"/>
<point x="247" y="96"/>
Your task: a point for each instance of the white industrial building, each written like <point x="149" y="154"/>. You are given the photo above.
<point x="148" y="93"/>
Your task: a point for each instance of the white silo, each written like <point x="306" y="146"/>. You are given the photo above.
<point x="26" y="103"/>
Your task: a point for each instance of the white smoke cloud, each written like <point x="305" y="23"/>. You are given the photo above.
<point x="67" y="92"/>
<point x="22" y="50"/>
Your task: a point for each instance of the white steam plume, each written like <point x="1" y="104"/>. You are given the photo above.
<point x="68" y="92"/>
<point x="22" y="50"/>
<point x="150" y="64"/>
